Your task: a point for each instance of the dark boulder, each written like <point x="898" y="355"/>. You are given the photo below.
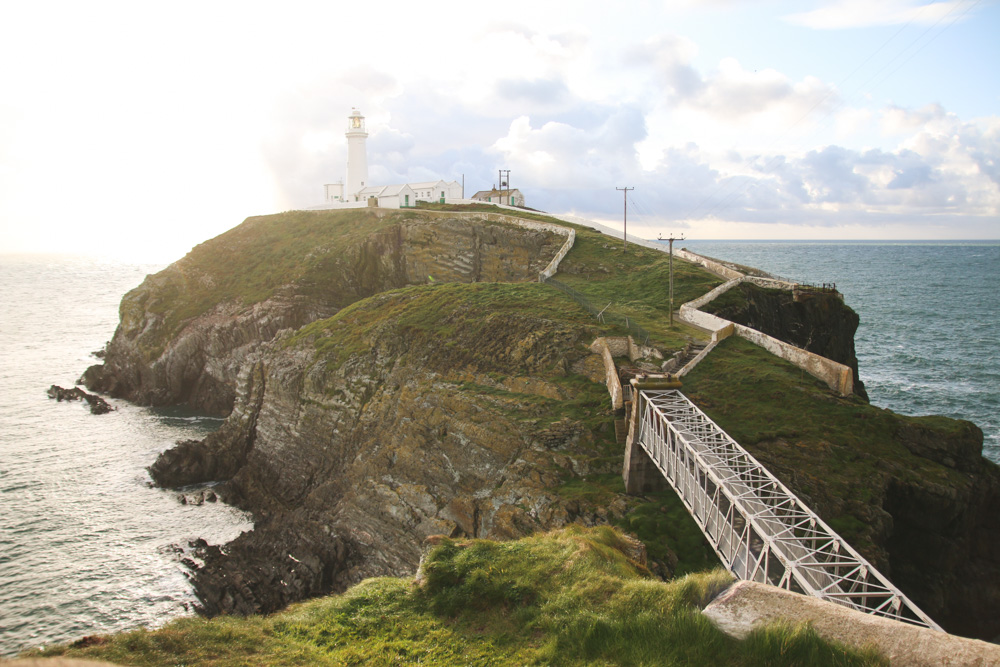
<point x="98" y="405"/>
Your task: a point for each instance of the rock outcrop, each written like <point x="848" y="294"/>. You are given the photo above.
<point x="944" y="542"/>
<point x="185" y="332"/>
<point x="98" y="405"/>
<point x="365" y="433"/>
<point x="815" y="320"/>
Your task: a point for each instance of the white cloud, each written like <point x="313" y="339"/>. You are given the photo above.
<point x="191" y="119"/>
<point x="865" y="13"/>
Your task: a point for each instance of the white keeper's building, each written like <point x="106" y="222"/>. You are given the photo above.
<point x="356" y="192"/>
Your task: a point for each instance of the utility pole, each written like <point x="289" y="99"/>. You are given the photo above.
<point x="671" y="241"/>
<point x="625" y="226"/>
<point x="503" y="184"/>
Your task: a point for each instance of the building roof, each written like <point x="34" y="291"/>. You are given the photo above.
<point x="495" y="193"/>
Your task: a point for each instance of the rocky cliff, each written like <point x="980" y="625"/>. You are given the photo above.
<point x="815" y="320"/>
<point x="446" y="409"/>
<point x="382" y="389"/>
<point x="185" y="332"/>
<point x="386" y="376"/>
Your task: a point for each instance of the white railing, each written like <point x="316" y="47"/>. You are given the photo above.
<point x="760" y="530"/>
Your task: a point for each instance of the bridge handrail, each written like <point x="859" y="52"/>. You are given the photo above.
<point x="788" y="530"/>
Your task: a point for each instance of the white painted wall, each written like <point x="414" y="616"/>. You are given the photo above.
<point x="334" y="192"/>
<point x="357" y="155"/>
<point x="837" y="376"/>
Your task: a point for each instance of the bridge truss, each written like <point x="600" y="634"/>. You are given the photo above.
<point x="759" y="528"/>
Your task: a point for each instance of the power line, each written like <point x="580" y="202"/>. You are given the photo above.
<point x="734" y="184"/>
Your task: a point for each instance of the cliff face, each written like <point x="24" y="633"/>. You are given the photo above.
<point x="944" y="540"/>
<point x="185" y="332"/>
<point x="813" y="320"/>
<point x="446" y="409"/>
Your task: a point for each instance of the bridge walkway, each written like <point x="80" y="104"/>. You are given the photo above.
<point x="760" y="530"/>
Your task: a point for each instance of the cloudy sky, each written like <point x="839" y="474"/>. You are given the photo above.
<point x="142" y="128"/>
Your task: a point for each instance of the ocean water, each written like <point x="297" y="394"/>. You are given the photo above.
<point x="87" y="546"/>
<point x="929" y="337"/>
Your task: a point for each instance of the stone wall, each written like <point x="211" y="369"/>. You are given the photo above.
<point x="602" y="346"/>
<point x="837" y="376"/>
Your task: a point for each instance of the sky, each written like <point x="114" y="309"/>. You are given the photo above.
<point x="140" y="129"/>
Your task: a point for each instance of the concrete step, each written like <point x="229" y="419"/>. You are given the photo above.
<point x="621" y="431"/>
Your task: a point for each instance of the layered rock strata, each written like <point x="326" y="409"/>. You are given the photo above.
<point x="361" y="436"/>
<point x="185" y="332"/>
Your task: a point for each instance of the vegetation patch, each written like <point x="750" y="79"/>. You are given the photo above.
<point x="572" y="597"/>
<point x="250" y="263"/>
<point x="635" y="284"/>
<point x="835" y="453"/>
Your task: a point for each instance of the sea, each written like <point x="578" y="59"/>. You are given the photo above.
<point x="88" y="546"/>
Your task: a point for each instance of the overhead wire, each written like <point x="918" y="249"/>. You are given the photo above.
<point x="725" y="193"/>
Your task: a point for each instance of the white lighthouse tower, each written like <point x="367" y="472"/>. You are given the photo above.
<point x="357" y="156"/>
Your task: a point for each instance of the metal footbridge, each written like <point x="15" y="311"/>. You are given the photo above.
<point x="759" y="528"/>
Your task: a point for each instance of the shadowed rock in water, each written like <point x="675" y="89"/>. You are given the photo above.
<point x="98" y="405"/>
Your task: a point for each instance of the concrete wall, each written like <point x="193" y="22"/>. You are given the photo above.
<point x="770" y="283"/>
<point x="601" y="346"/>
<point x="338" y="205"/>
<point x="714" y="267"/>
<point x="334" y="192"/>
<point x="747" y="605"/>
<point x="837" y="376"/>
<point x="553" y="266"/>
<point x="692" y="315"/>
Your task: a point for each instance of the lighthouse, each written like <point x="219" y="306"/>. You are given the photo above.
<point x="356" y="192"/>
<point x="357" y="156"/>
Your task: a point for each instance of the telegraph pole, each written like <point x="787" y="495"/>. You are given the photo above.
<point x="503" y="184"/>
<point x="625" y="227"/>
<point x="671" y="241"/>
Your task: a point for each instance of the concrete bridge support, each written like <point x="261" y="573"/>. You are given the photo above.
<point x="639" y="471"/>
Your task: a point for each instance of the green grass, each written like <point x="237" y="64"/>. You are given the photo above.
<point x="453" y="319"/>
<point x="571" y="597"/>
<point x="251" y="261"/>
<point x="635" y="283"/>
<point x="833" y="452"/>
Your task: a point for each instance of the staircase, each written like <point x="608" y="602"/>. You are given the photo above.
<point x="681" y="358"/>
